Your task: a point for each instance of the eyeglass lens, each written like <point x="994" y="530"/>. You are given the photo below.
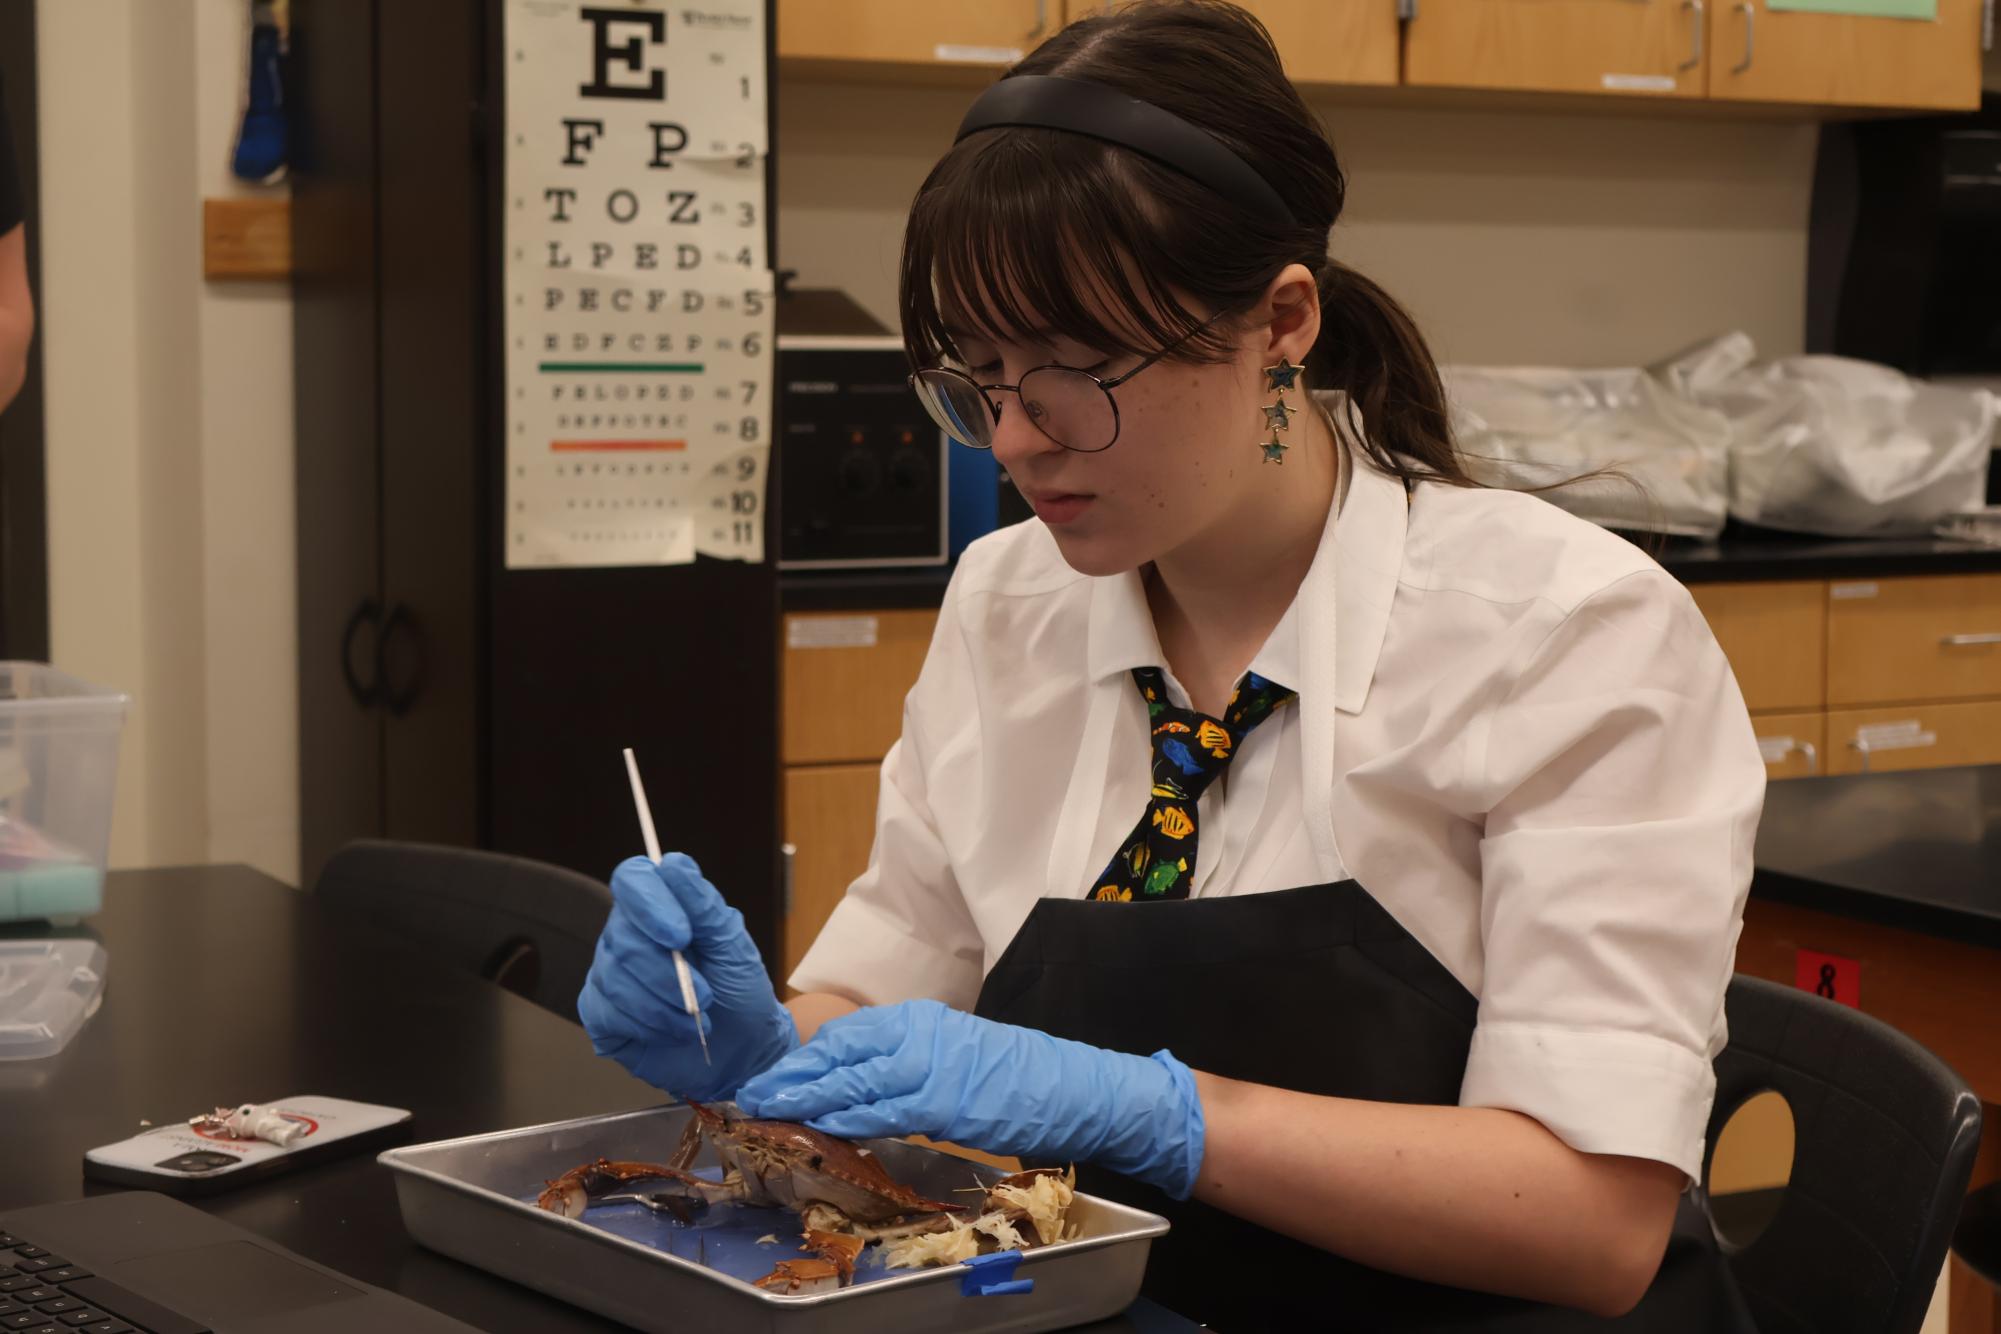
<point x="1068" y="406"/>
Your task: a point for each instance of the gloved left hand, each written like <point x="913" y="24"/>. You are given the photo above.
<point x="926" y="1069"/>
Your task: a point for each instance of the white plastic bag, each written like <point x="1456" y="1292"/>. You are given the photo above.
<point x="1525" y="427"/>
<point x="1841" y="447"/>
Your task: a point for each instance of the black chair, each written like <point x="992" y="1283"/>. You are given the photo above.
<point x="527" y="925"/>
<point x="1884" y="1137"/>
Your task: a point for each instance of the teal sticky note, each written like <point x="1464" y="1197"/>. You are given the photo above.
<point x="1880" y="9"/>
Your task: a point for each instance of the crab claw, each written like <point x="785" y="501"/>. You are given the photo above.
<point x="565" y="1196"/>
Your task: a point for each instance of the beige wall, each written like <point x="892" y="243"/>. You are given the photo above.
<point x="1515" y="238"/>
<point x="169" y="433"/>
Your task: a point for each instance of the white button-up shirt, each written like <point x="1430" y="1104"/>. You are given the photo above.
<point x="1513" y="729"/>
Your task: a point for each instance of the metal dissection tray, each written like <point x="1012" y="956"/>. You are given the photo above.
<point x="473" y="1199"/>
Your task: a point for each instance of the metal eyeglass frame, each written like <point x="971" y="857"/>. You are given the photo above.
<point x="1105" y="386"/>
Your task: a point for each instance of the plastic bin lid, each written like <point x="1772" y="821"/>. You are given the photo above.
<point x="47" y="989"/>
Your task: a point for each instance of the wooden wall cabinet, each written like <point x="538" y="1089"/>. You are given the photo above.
<point x="1324" y="41"/>
<point x="1352" y="42"/>
<point x="1726" y="50"/>
<point x="977" y="33"/>
<point x="1731" y="50"/>
<point x="1758" y="54"/>
<point x="1653" y="47"/>
<point x="1334" y="41"/>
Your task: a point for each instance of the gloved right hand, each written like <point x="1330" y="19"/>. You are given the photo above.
<point x="631" y="1003"/>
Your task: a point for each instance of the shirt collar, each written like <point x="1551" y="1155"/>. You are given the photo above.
<point x="1352" y="580"/>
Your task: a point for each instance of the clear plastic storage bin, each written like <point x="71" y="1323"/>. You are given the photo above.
<point x="58" y="767"/>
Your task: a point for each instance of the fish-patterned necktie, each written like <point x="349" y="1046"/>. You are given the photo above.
<point x="1190" y="751"/>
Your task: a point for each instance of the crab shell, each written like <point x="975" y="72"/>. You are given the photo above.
<point x="794" y="1166"/>
<point x="843" y="1248"/>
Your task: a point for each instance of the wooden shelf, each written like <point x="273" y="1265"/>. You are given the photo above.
<point x="246" y="240"/>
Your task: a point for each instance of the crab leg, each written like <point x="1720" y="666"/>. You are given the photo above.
<point x="571" y="1193"/>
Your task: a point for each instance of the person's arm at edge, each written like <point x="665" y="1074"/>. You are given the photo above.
<point x="814" y="1008"/>
<point x="17" y="313"/>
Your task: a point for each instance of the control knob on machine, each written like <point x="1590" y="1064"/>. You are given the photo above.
<point x="908" y="469"/>
<point x="860" y="473"/>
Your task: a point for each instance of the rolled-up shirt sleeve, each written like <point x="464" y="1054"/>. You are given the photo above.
<point x="1614" y="865"/>
<point x="903" y="930"/>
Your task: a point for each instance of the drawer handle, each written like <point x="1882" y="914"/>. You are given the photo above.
<point x="1969" y="641"/>
<point x="1775" y="750"/>
<point x="1891" y="736"/>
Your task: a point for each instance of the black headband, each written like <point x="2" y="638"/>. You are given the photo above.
<point x="1077" y="107"/>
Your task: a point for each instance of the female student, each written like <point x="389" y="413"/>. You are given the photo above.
<point x="1336" y="856"/>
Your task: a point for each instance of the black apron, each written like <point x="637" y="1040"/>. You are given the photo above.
<point x="1316" y="989"/>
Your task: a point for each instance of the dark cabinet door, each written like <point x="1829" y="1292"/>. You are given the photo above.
<point x="336" y="359"/>
<point x="436" y="434"/>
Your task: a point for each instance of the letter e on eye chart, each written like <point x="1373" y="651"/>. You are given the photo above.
<point x="637" y="291"/>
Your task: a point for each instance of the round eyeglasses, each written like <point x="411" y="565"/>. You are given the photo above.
<point x="1073" y="408"/>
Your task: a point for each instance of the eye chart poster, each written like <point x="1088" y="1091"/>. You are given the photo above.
<point x="638" y="292"/>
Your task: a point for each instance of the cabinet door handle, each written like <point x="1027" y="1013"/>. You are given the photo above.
<point x="1806" y="748"/>
<point x="1694" y="61"/>
<point x="368" y="613"/>
<point x="1041" y="20"/>
<point x="397" y="701"/>
<point x="1968" y="641"/>
<point x="1750" y="37"/>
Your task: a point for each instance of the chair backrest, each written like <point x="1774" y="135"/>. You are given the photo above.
<point x="527" y="925"/>
<point x="1884" y="1136"/>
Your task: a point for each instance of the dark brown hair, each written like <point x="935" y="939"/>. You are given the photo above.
<point x="1024" y="227"/>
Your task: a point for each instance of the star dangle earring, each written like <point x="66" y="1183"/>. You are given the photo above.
<point x="1278" y="414"/>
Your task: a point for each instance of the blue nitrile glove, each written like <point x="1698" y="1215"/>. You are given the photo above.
<point x="631" y="1002"/>
<point x="921" y="1068"/>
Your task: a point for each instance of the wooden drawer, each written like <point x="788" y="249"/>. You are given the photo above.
<point x="830" y="823"/>
<point x="981" y="32"/>
<point x="1794" y="744"/>
<point x="1923" y="736"/>
<point x="843" y="678"/>
<point x="1937" y="637"/>
<point x="1775" y="635"/>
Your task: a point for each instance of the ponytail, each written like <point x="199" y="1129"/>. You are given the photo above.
<point x="1371" y="351"/>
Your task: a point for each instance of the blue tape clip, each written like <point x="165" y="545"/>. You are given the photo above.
<point x="993" y="1276"/>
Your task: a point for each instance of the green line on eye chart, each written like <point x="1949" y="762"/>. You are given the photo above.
<point x="620" y="367"/>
